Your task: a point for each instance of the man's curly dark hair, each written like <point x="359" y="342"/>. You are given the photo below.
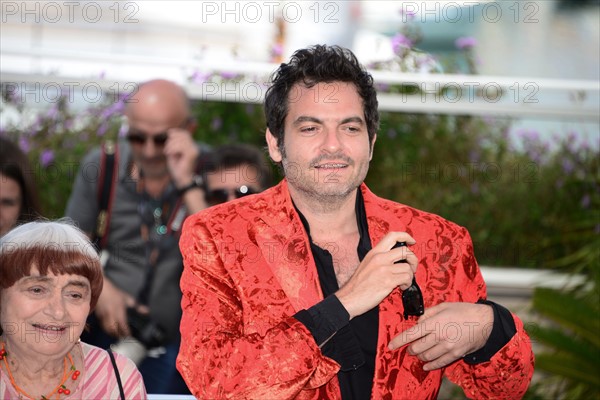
<point x="311" y="66"/>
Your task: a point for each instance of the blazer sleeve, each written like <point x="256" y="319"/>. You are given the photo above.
<point x="217" y="358"/>
<point x="508" y="373"/>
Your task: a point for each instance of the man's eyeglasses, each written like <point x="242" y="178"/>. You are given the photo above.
<point x="138" y="138"/>
<point x="218" y="196"/>
<point x="412" y="298"/>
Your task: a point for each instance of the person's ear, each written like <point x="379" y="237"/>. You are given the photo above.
<point x="273" y="147"/>
<point x="190" y="125"/>
<point x="372" y="147"/>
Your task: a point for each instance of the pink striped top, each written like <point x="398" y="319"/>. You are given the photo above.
<point x="99" y="380"/>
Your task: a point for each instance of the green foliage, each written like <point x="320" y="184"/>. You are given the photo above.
<point x="463" y="168"/>
<point x="571" y="340"/>
<point x="220" y="123"/>
<point x="56" y="139"/>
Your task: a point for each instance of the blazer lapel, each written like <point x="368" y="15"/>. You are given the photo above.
<point x="286" y="250"/>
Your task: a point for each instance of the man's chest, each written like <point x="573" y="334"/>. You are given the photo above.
<point x="344" y="256"/>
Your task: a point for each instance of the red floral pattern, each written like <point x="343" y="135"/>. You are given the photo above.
<point x="249" y="269"/>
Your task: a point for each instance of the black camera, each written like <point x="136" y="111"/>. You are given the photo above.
<point x="148" y="332"/>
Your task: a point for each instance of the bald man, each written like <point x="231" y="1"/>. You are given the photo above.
<point x="155" y="190"/>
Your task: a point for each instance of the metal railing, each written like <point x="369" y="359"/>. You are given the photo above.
<point x="426" y="93"/>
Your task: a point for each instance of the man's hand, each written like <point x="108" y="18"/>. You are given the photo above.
<point x="377" y="275"/>
<point x="182" y="155"/>
<point x="447" y="332"/>
<point x="111" y="310"/>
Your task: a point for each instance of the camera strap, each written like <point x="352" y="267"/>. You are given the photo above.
<point x="109" y="172"/>
<point x="159" y="221"/>
<point x="117" y="374"/>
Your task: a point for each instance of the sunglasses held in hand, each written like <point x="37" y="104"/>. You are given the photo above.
<point x="412" y="298"/>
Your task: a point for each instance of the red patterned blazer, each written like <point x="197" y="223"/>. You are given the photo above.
<point x="249" y="269"/>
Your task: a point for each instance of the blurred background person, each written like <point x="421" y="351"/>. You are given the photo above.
<point x="156" y="187"/>
<point x="50" y="281"/>
<point x="235" y="170"/>
<point x="19" y="200"/>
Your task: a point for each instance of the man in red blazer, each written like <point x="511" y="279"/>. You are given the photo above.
<point x="297" y="292"/>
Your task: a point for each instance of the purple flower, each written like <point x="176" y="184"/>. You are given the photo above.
<point x="102" y="129"/>
<point x="392" y="133"/>
<point x="115" y="108"/>
<point x="52" y="112"/>
<point x="228" y="75"/>
<point x="24" y="145"/>
<point x="382" y="87"/>
<point x="465" y="42"/>
<point x="410" y="15"/>
<point x="216" y="124"/>
<point x="586" y="201"/>
<point x="200" y="77"/>
<point x="535" y="155"/>
<point x="46" y="158"/>
<point x="123" y="129"/>
<point x="276" y="49"/>
<point x="68" y="124"/>
<point x="529" y="135"/>
<point x="567" y="166"/>
<point x="400" y="42"/>
<point x="474" y="156"/>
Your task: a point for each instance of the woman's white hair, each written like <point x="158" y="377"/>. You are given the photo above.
<point x="61" y="234"/>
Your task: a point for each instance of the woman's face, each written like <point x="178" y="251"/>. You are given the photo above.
<point x="44" y="315"/>
<point x="10" y="203"/>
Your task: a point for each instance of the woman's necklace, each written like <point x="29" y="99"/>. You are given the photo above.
<point x="59" y="390"/>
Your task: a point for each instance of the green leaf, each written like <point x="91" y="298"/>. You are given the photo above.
<point x="571" y="312"/>
<point x="587" y="356"/>
<point x="568" y="367"/>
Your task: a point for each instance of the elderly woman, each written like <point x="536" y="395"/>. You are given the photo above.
<point x="50" y="280"/>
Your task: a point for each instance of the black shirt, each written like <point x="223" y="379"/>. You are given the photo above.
<point x="353" y="343"/>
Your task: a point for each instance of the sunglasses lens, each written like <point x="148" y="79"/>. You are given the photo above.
<point x="412" y="300"/>
<point x="140" y="139"/>
<point x="217" y="196"/>
<point x="160" y="139"/>
<point x="135" y="138"/>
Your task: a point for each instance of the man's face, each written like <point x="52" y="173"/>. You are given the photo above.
<point x="231" y="183"/>
<point x="148" y="125"/>
<point x="326" y="150"/>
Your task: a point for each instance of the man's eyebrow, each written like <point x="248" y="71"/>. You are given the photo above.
<point x="348" y="120"/>
<point x="306" y="118"/>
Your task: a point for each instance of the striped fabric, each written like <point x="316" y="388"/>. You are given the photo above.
<point x="98" y="381"/>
